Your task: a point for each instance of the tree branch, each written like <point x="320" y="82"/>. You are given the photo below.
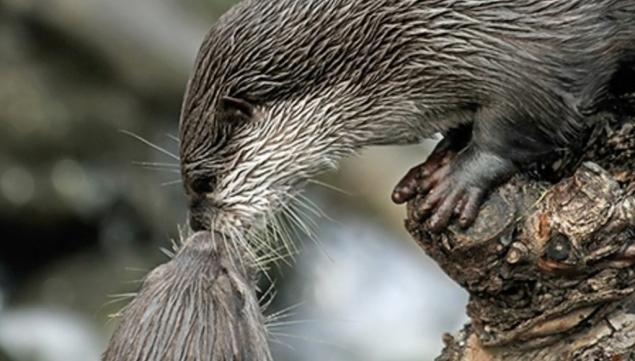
<point x="549" y="267"/>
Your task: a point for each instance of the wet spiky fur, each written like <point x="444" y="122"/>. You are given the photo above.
<point x="199" y="306"/>
<point x="328" y="77"/>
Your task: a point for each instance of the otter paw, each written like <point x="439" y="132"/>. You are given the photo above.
<point x="408" y="186"/>
<point x="447" y="197"/>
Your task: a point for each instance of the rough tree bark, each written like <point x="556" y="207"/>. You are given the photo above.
<point x="550" y="267"/>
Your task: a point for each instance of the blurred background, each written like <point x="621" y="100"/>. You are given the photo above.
<point x="85" y="207"/>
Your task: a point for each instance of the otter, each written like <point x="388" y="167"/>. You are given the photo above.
<point x="283" y="89"/>
<point x="201" y="305"/>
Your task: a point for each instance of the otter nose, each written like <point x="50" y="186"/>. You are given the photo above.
<point x="202" y="185"/>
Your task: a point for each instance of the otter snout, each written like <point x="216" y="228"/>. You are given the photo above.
<point x="200" y="211"/>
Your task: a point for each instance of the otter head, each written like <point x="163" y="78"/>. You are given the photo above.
<point x="242" y="160"/>
<point x="255" y="124"/>
<point x="279" y="93"/>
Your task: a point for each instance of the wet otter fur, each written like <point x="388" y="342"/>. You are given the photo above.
<point x="199" y="306"/>
<point x="283" y="89"/>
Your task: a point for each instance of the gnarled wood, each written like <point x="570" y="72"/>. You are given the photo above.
<point x="550" y="268"/>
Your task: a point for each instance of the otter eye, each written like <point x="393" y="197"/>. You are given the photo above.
<point x="203" y="184"/>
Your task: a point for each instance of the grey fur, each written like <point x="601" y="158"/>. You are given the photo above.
<point x="200" y="306"/>
<point x="329" y="77"/>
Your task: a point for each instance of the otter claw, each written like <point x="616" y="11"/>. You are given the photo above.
<point x="457" y="186"/>
<point x="444" y="211"/>
<point x="452" y="182"/>
<point x="409" y="185"/>
<point x="471" y="208"/>
<point x="462" y="203"/>
<point x="406" y="189"/>
<point x="460" y="206"/>
<point x="447" y="198"/>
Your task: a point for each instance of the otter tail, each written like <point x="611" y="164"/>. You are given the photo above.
<point x="201" y="305"/>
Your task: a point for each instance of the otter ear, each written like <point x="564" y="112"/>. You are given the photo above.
<point x="236" y="110"/>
